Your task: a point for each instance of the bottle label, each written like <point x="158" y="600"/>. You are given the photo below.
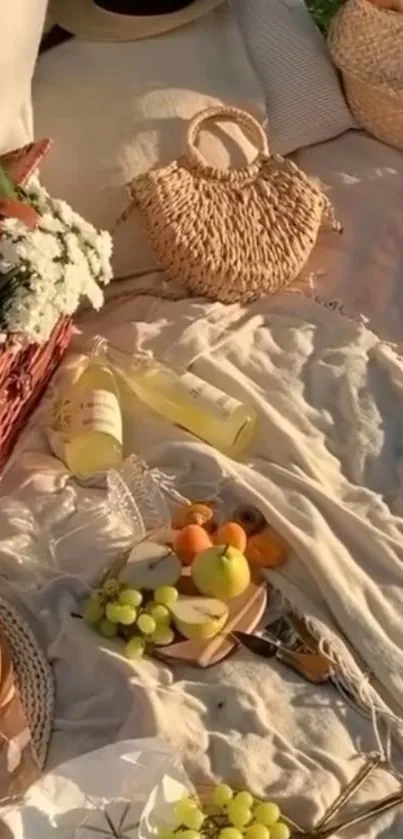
<point x="207" y="397"/>
<point x="99" y="410"/>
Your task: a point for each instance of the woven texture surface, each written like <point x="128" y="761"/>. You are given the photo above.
<point x="34" y="678"/>
<point x="25" y="369"/>
<point x="304" y="100"/>
<point x="236" y="234"/>
<point x="18" y="765"/>
<point x="24" y="374"/>
<point x="366" y="44"/>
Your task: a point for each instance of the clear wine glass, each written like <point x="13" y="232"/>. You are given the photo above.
<point x="82" y="523"/>
<point x="137" y="500"/>
<point x="80" y="539"/>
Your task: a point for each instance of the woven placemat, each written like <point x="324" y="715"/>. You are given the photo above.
<point x="34" y="678"/>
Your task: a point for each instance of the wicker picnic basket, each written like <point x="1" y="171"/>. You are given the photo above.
<point x="366" y="44"/>
<point x="29" y="355"/>
<point x="26" y="367"/>
<point x="24" y="374"/>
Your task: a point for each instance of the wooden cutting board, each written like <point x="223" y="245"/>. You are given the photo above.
<point x="245" y="612"/>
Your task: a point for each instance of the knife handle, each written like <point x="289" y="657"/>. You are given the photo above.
<point x="312" y="666"/>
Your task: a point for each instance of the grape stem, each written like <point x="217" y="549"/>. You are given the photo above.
<point x="211" y="825"/>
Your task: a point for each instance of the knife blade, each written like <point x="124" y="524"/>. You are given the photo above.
<point x="256" y="644"/>
<point x="312" y="666"/>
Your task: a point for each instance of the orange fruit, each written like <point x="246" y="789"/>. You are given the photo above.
<point x="194" y="513"/>
<point x="231" y="533"/>
<point x="189" y="542"/>
<point x="266" y="549"/>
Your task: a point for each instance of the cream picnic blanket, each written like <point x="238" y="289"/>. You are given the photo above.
<point x="326" y="470"/>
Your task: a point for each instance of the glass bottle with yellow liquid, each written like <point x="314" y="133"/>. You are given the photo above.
<point x="188" y="401"/>
<point x="96" y="436"/>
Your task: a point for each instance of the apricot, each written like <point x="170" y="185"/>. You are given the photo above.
<point x="193" y="513"/>
<point x="178" y="518"/>
<point x="266" y="549"/>
<point x="250" y="518"/>
<point x="189" y="542"/>
<point x="231" y="533"/>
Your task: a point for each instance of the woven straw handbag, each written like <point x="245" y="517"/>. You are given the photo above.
<point x="366" y="43"/>
<point x="234" y="234"/>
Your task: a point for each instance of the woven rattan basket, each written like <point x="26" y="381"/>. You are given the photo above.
<point x="26" y="367"/>
<point x="24" y="374"/>
<point x="366" y="43"/>
<point x="231" y="234"/>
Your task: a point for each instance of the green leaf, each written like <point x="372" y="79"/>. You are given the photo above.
<point x="322" y="12"/>
<point x="7" y="188"/>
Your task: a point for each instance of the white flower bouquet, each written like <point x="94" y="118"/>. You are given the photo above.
<point x="46" y="271"/>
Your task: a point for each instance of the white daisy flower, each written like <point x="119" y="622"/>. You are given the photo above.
<point x="65" y="212"/>
<point x="11" y="226"/>
<point x="63" y="260"/>
<point x="94" y="262"/>
<point x="51" y="223"/>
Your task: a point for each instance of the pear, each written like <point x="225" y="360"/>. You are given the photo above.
<point x="221" y="571"/>
<point x="199" y="618"/>
<point x="150" y="566"/>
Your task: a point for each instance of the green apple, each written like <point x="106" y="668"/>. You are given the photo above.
<point x="221" y="571"/>
<point x="199" y="618"/>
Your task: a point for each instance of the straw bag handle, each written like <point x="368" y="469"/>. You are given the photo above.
<point x="241" y="118"/>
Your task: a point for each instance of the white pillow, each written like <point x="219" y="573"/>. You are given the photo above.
<point x="305" y="102"/>
<point x="21" y="23"/>
<point x="115" y="110"/>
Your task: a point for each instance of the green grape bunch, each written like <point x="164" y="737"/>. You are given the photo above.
<point x="227" y="814"/>
<point x="118" y="611"/>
